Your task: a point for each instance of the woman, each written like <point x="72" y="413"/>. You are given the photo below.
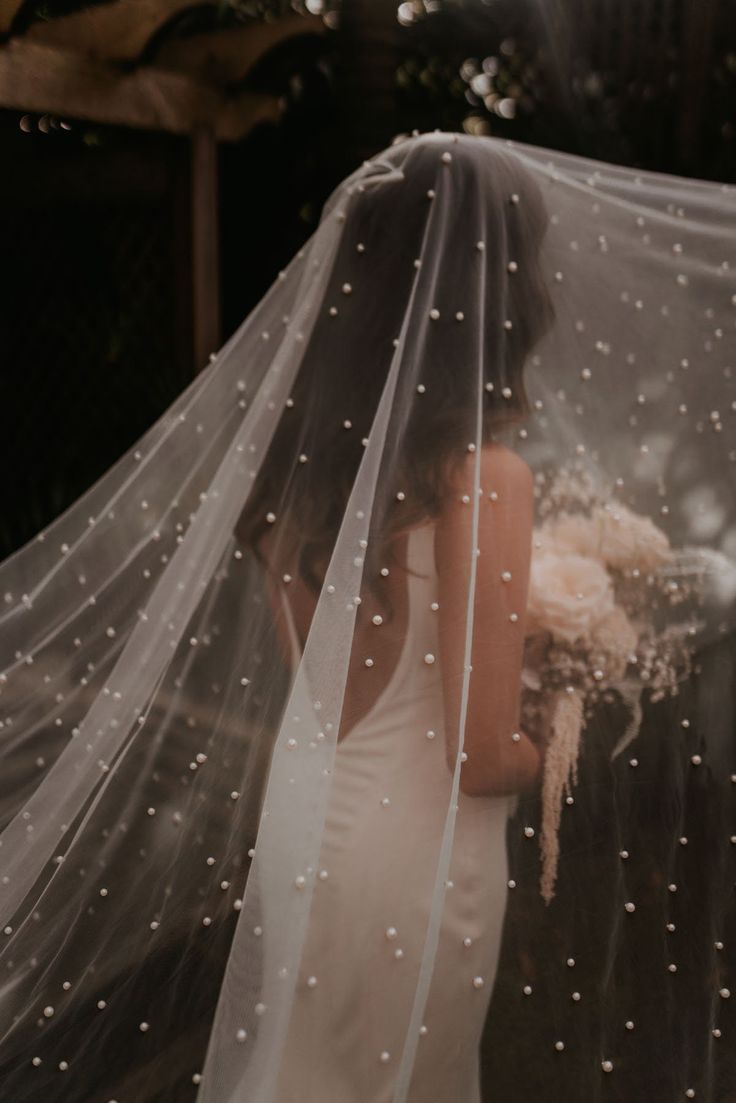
<point x="273" y="780"/>
<point x="397" y="738"/>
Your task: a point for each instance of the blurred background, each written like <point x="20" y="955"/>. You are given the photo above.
<point x="163" y="159"/>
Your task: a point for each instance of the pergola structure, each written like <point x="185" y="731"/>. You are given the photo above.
<point x="126" y="63"/>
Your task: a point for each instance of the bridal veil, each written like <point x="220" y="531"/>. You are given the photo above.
<point x="166" y="770"/>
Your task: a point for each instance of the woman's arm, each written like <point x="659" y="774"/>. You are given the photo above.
<point x="276" y="599"/>
<point x="501" y="759"/>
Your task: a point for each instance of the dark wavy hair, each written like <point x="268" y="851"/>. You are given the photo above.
<point x="346" y="362"/>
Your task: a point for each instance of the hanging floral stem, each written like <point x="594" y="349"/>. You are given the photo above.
<point x="560" y="775"/>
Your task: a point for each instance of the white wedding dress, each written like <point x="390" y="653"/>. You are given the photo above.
<point x="369" y="915"/>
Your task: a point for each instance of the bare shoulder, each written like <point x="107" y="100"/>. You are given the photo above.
<point x="506" y="516"/>
<point x="502" y="465"/>
<point x="501" y="529"/>
<point x="501" y="470"/>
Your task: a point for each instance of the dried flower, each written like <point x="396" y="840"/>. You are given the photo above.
<point x="568" y="594"/>
<point x="600" y="575"/>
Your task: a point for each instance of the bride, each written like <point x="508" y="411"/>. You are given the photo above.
<point x="397" y="738"/>
<point x="390" y="614"/>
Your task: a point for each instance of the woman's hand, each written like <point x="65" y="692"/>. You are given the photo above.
<point x="518" y="771"/>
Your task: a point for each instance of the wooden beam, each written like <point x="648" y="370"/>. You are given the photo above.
<point x="41" y="79"/>
<point x="205" y="248"/>
<point x="8" y="12"/>
<point x="225" y="57"/>
<point x="118" y="31"/>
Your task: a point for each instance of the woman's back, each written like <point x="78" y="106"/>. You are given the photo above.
<point x="390" y="785"/>
<point x="431" y="566"/>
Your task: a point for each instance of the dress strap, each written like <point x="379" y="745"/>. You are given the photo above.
<point x="420" y="550"/>
<point x="296" y="650"/>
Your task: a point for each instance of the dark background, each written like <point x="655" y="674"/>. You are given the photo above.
<point x="96" y="220"/>
<point x="99" y="265"/>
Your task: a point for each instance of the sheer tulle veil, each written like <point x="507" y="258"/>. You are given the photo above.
<point x="171" y="738"/>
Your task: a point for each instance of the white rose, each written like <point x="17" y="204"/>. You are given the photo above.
<point x="572" y="532"/>
<point x="614" y="534"/>
<point x="630" y="540"/>
<point x="568" y="595"/>
<point x="616" y="636"/>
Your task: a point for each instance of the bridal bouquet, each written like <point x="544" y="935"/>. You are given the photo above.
<point x="612" y="615"/>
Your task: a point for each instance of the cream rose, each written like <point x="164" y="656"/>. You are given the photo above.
<point x="573" y="532"/>
<point x="568" y="594"/>
<point x="630" y="540"/>
<point x="617" y="638"/>
<point x="616" y="535"/>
